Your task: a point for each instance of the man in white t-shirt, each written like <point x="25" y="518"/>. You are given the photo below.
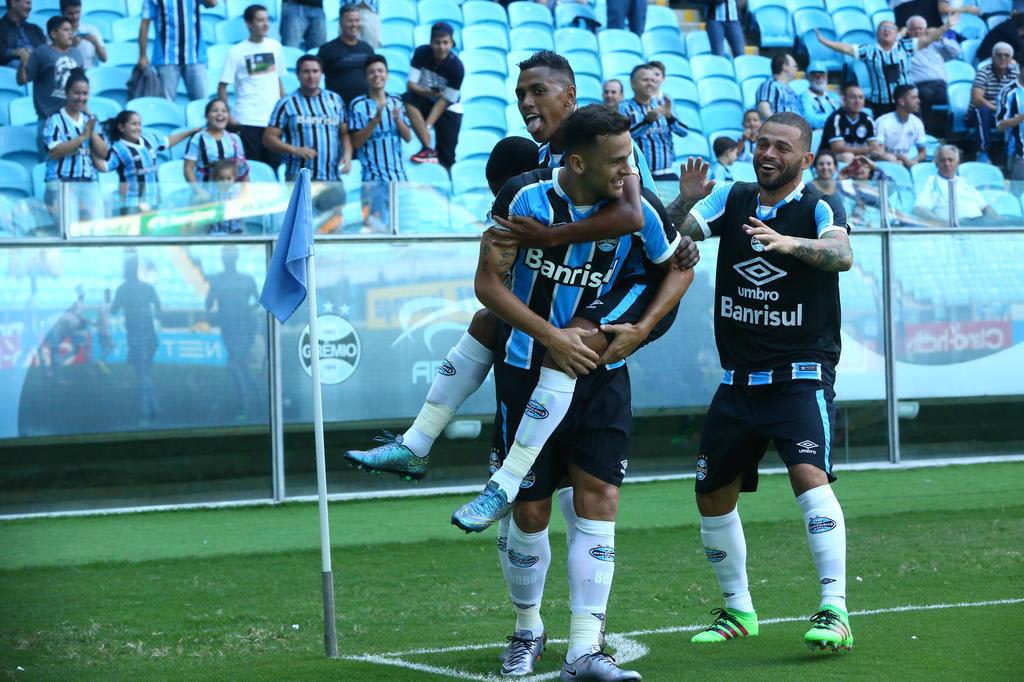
<point x="254" y="66"/>
<point x="901" y="132"/>
<point x="933" y="198"/>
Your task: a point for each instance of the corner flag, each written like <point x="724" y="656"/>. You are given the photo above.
<point x="291" y="277"/>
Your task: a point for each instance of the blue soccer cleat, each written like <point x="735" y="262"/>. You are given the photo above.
<point x="488" y="508"/>
<point x="390" y="458"/>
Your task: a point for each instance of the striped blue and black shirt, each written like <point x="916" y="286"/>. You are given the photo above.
<point x="178" y="32"/>
<point x="206" y="150"/>
<point x="313" y="122"/>
<point x="727" y="11"/>
<point x="887" y="69"/>
<point x="136" y="164"/>
<point x="1011" y="103"/>
<point x="60" y="128"/>
<point x="557" y="282"/>
<point x="547" y="159"/>
<point x="780" y="97"/>
<point x="381" y="155"/>
<point x="372" y="5"/>
<point x="653" y="137"/>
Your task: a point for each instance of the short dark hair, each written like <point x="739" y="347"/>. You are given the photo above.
<point x="779" y="62"/>
<point x="723" y="144"/>
<point x="308" y="58"/>
<point x="249" y="15"/>
<point x="64" y="4"/>
<point x="223" y="164"/>
<point x="374" y="59"/>
<point x="788" y="118"/>
<point x="553" y="61"/>
<point x="655" y="64"/>
<point x="847" y="86"/>
<point x="584" y="126"/>
<point x="209" y="105"/>
<point x="751" y="111"/>
<point x="901" y="91"/>
<point x="75" y="76"/>
<point x="510" y="157"/>
<point x="639" y="67"/>
<point x="54" y="23"/>
<point x="824" y="152"/>
<point x="347" y="9"/>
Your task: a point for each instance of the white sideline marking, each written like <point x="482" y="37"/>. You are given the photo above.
<point x="626" y="648"/>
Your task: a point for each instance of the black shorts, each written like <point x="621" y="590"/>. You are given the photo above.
<point x="626" y="303"/>
<point x="594" y="435"/>
<point x="797" y="415"/>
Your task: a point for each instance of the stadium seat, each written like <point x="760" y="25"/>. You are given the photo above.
<point x="619" y="40"/>
<point x="959" y="72"/>
<point x="232" y="31"/>
<point x="588" y="90"/>
<point x="476" y="12"/>
<point x="39" y="180"/>
<point x="661" y="20"/>
<point x="530" y="38"/>
<point x="483" y="62"/>
<point x="750" y="66"/>
<point x="721" y="115"/>
<point x="208" y="26"/>
<point x="689" y="114"/>
<point x="261" y="172"/>
<point x="489" y="38"/>
<point x="290" y="55"/>
<point x="982" y="175"/>
<point x="433" y="11"/>
<point x="399" y="12"/>
<point x="528" y="14"/>
<point x="749" y="88"/>
<point x="110" y="82"/>
<point x="514" y="125"/>
<point x="853" y="26"/>
<point x="290" y="82"/>
<point x="872" y="6"/>
<point x="797" y="5"/>
<point x="575" y="40"/>
<point x="123" y="54"/>
<point x="920" y="172"/>
<point x="398" y="59"/>
<point x="971" y="27"/>
<point x="718" y="89"/>
<point x="959" y="98"/>
<point x="619" y="65"/>
<point x="398" y="35"/>
<point x="469" y="175"/>
<point x="708" y="65"/>
<point x="584" y="63"/>
<point x="931" y="146"/>
<point x="513" y="58"/>
<point x="428" y="174"/>
<point x="654" y="43"/>
<point x="674" y="64"/>
<point x="1002" y="202"/>
<point x="19" y="145"/>
<point x="897" y="173"/>
<point x="195" y="113"/>
<point x="219" y="10"/>
<point x="171" y="173"/>
<point x="968" y="49"/>
<point x="22" y="112"/>
<point x="488" y="88"/>
<point x="884" y="15"/>
<point x="126" y="30"/>
<point x="157" y="113"/>
<point x="697" y="43"/>
<point x="485" y="115"/>
<point x="680" y="90"/>
<point x="776" y="26"/>
<point x="15" y="180"/>
<point x="833" y="6"/>
<point x="691" y="145"/>
<point x="805" y="21"/>
<point x="571" y="14"/>
<point x="860" y="72"/>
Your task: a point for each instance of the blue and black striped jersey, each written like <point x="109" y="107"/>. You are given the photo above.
<point x="136" y="165"/>
<point x="653" y="137"/>
<point x="557" y="282"/>
<point x="206" y="150"/>
<point x="381" y="155"/>
<point x="546" y="159"/>
<point x="178" y="32"/>
<point x="780" y="97"/>
<point x="313" y="122"/>
<point x="62" y="128"/>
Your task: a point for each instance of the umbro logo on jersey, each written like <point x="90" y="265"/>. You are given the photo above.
<point x="758" y="271"/>
<point x="807" y="447"/>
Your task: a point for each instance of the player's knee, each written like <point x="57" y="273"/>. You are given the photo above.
<point x="484" y="327"/>
<point x="804" y="477"/>
<point x="532" y="517"/>
<point x="597" y="502"/>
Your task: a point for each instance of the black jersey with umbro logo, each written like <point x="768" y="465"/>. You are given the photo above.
<point x="777" y="318"/>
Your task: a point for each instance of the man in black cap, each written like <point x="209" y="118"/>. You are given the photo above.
<point x="432" y="101"/>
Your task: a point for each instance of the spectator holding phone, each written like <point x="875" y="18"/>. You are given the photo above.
<point x="88" y="38"/>
<point x="433" y="101"/>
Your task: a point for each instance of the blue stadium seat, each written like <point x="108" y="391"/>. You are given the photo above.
<point x="530" y="38"/>
<point x="9" y="91"/>
<point x="231" y="31"/>
<point x="931" y="146"/>
<point x="290" y="82"/>
<point x="717" y="89"/>
<point x="691" y="145"/>
<point x="398" y="34"/>
<point x="219" y="10"/>
<point x="721" y="115"/>
<point x="110" y="81"/>
<point x="674" y="64"/>
<point x="584" y="63"/>
<point x="776" y="26"/>
<point x="514" y="125"/>
<point x="860" y="70"/>
<point x="661" y="19"/>
<point x="743" y="171"/>
<point x="834" y="6"/>
<point x="588" y="90"/>
<point x="433" y="11"/>
<point x="619" y="64"/>
<point x="428" y="174"/>
<point x="754" y="5"/>
<point x="108" y="12"/>
<point x="18" y="144"/>
<point x="897" y="173"/>
<point x="872" y="6"/>
<point x="483" y="61"/>
<point x="216" y="55"/>
<point x="469" y="175"/>
<point x="660" y="41"/>
<point x="853" y="26"/>
<point x="884" y="15"/>
<point x="124" y="54"/>
<point x="158" y="114"/>
<point x="619" y="40"/>
<point x="959" y="98"/>
<point x="529" y="14"/>
<point x="261" y="172"/>
<point x="1004" y="203"/>
<point x="513" y="58"/>
<point x="421" y="34"/>
<point x="982" y="175"/>
<point x="749" y="66"/>
<point x="208" y="27"/>
<point x="920" y="172"/>
<point x="797" y="5"/>
<point x="195" y="113"/>
<point x="476" y="12"/>
<point x="572" y="14"/>
<point x="15" y="180"/>
<point x="971" y="27"/>
<point x="398" y="59"/>
<point x="290" y="55"/>
<point x="475" y="144"/>
<point x="103" y="108"/>
<point x="127" y="30"/>
<point x="575" y="40"/>
<point x="968" y="49"/>
<point x="697" y="43"/>
<point x="805" y="21"/>
<point x="22" y="112"/>
<point x="689" y="114"/>
<point x="39" y="180"/>
<point x="483" y="87"/>
<point x="489" y="38"/>
<point x="399" y="12"/>
<point x="103" y="24"/>
<point x="680" y="90"/>
<point x="959" y="72"/>
<point x="749" y="88"/>
<point x="484" y="115"/>
<point x="171" y="173"/>
<point x="709" y="65"/>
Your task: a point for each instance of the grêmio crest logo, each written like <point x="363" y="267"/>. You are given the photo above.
<point x="340" y="349"/>
<point x="563" y="274"/>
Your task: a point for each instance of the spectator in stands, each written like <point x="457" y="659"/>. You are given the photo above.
<point x="1009" y="117"/>
<point x="751" y="127"/>
<point x="989" y="82"/>
<point x="633" y="10"/>
<point x="226" y="187"/>
<point x="723" y="24"/>
<point x="88" y="39"/>
<point x="213" y="144"/>
<point x="612" y="93"/>
<point x="433" y="101"/>
<point x="818" y="103"/>
<point x="1010" y="31"/>
<point x="775" y="95"/>
<point x="850" y="132"/>
<point x="48" y="69"/>
<point x="74" y="147"/>
<point x="180" y="51"/>
<point x="659" y="75"/>
<point x="725" y="149"/>
<point x="888" y="59"/>
<point x="901" y="133"/>
<point x="947" y="7"/>
<point x="933" y="198"/>
<point x="652" y="123"/>
<point x="377" y="125"/>
<point x="133" y="155"/>
<point x="254" y="66"/>
<point x="18" y="36"/>
<point x="344" y="58"/>
<point x="308" y="127"/>
<point x="824" y="172"/>
<point x="928" y="72"/>
<point x="369" y="13"/>
<point x="859" y="187"/>
<point x="303" y="24"/>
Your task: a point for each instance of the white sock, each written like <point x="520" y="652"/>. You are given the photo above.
<point x="591" y="568"/>
<point x="529" y="555"/>
<point x="568" y="509"/>
<point x="503" y="544"/>
<point x="826" y="534"/>
<point x="547" y="407"/>
<point x="726" y="550"/>
<point x="461" y="373"/>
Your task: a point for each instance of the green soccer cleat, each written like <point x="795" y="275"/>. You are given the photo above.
<point x="730" y="624"/>
<point x="390" y="458"/>
<point x="489" y="507"/>
<point x="831" y="629"/>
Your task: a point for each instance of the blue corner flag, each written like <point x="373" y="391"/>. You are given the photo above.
<point x="284" y="290"/>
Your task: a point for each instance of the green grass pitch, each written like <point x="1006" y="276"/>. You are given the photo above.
<point x="234" y="594"/>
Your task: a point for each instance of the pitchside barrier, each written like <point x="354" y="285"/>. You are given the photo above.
<point x="128" y="324"/>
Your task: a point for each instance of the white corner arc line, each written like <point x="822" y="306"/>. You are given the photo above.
<point x="632" y="650"/>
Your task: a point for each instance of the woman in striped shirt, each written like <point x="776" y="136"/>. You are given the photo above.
<point x="212" y="144"/>
<point x="133" y="154"/>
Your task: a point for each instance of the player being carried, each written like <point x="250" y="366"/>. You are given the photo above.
<point x="777" y="321"/>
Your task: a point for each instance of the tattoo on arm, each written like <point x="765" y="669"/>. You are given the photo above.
<point x="830" y="254"/>
<point x="679" y="213"/>
<point x="505" y="259"/>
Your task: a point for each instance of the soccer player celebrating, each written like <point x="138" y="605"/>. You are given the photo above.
<point x="777" y="323"/>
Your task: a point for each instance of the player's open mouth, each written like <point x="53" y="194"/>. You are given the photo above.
<point x="769" y="167"/>
<point x="533" y="122"/>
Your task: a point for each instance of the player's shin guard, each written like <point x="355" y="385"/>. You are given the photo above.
<point x="548" y="405"/>
<point x="591" y="569"/>
<point x="568" y="509"/>
<point x="529" y="555"/>
<point x="461" y="373"/>
<point x="826" y="534"/>
<point x="726" y="550"/>
<point x="503" y="529"/>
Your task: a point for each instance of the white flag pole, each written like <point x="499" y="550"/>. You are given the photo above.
<point x="330" y="627"/>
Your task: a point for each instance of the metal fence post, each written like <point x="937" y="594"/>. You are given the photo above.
<point x="954" y="218"/>
<point x="889" y="332"/>
<point x="275" y="399"/>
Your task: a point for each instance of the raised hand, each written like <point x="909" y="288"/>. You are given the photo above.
<point x="693" y="180"/>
